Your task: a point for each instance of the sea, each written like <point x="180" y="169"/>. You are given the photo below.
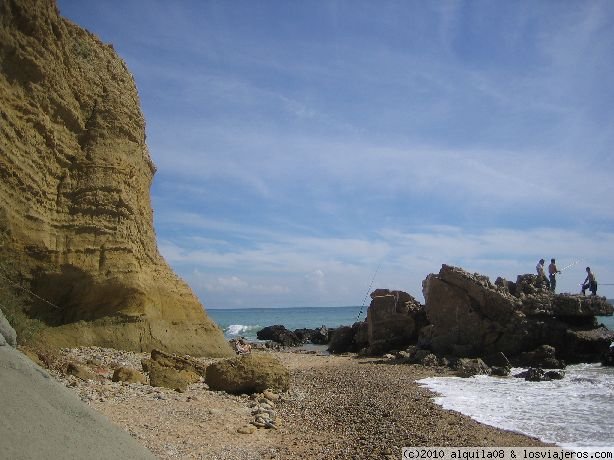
<point x="246" y="322"/>
<point x="576" y="412"/>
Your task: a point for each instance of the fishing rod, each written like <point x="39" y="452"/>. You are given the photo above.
<point x="368" y="291"/>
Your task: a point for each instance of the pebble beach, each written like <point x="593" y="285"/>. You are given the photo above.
<point x="337" y="407"/>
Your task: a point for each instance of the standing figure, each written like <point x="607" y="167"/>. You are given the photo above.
<point x="552" y="271"/>
<point x="590" y="282"/>
<point x="541" y="274"/>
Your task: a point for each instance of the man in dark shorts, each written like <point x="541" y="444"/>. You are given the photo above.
<point x="590" y="282"/>
<point x="552" y="272"/>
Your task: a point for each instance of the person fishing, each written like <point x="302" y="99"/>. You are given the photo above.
<point x="541" y="274"/>
<point x="590" y="282"/>
<point x="552" y="272"/>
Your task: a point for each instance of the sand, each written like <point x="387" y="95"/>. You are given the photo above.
<point x="338" y="407"/>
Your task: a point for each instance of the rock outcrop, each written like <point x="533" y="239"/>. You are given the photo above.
<point x="394" y="319"/>
<point x="174" y="372"/>
<point x="75" y="175"/>
<point x="470" y="316"/>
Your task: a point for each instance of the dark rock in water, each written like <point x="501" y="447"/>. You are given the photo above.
<point x="537" y="374"/>
<point x="279" y="334"/>
<point x="543" y="356"/>
<point x="394" y="319"/>
<point x="532" y="374"/>
<point x="500" y="371"/>
<point x="555" y="375"/>
<point x="608" y="357"/>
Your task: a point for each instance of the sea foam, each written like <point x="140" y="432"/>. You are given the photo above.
<point x="235" y="330"/>
<point x="575" y="412"/>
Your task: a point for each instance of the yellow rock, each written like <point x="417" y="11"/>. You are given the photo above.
<point x="75" y="210"/>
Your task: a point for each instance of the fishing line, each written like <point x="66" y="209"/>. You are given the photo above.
<point x="27" y="290"/>
<point x="368" y="291"/>
<point x="570" y="265"/>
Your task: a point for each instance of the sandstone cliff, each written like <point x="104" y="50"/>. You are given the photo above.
<point x="75" y="175"/>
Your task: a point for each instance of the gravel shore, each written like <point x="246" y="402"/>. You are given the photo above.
<point x="337" y="407"/>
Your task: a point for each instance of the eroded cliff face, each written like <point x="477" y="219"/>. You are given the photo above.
<point x="75" y="175"/>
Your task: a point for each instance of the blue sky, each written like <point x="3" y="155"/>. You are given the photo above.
<point x="302" y="145"/>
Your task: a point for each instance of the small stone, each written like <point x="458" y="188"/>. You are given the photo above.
<point x="79" y="371"/>
<point x="266" y="405"/>
<point x="246" y="429"/>
<point x="268" y="394"/>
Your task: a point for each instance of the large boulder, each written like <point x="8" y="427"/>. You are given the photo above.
<point x="168" y="377"/>
<point x="174" y="372"/>
<point x="75" y="208"/>
<point x="468" y="315"/>
<point x="394" y="319"/>
<point x="252" y="373"/>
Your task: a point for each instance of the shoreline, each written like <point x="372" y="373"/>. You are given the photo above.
<point x="338" y="406"/>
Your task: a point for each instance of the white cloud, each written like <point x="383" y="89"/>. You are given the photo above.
<point x="297" y="271"/>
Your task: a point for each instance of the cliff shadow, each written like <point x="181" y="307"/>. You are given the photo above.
<point x="72" y="295"/>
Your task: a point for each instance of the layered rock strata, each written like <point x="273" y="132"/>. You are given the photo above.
<point x="75" y="175"/>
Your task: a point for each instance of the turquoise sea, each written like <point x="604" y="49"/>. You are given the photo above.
<point x="246" y="322"/>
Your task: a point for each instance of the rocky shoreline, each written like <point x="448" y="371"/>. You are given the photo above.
<point x="467" y="316"/>
<point x="336" y="407"/>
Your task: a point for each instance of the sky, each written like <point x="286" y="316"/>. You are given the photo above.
<point x="307" y="151"/>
